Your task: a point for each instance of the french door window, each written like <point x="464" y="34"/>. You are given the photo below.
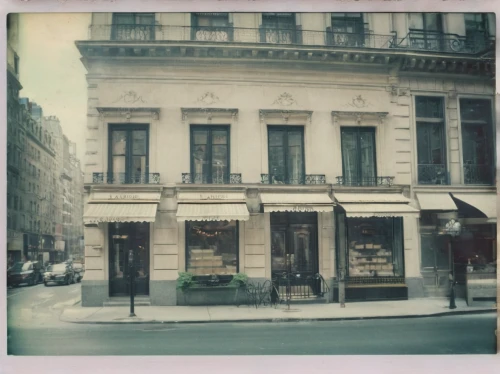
<point x="133" y="26"/>
<point x="347" y="29"/>
<point x="428" y="32"/>
<point x="278" y="28"/>
<point x="431" y="145"/>
<point x="476" y="30"/>
<point x="211" y="27"/>
<point x="128" y="154"/>
<point x="210" y="154"/>
<point x="477" y="141"/>
<point x="286" y="155"/>
<point x="358" y="156"/>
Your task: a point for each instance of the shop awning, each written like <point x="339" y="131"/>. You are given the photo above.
<point x="378" y="210"/>
<point x="436" y="201"/>
<point x="295" y="202"/>
<point x="96" y="213"/>
<point x="486" y="203"/>
<point x="371" y="198"/>
<point x="213" y="212"/>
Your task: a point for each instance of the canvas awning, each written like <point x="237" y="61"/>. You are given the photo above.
<point x="378" y="210"/>
<point x="295" y="202"/>
<point x="213" y="212"/>
<point x="96" y="213"/>
<point x="371" y="198"/>
<point x="486" y="203"/>
<point x="436" y="201"/>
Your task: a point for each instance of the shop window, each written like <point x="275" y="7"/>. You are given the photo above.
<point x="133" y="26"/>
<point x="375" y="247"/>
<point x="477" y="141"/>
<point x="358" y="156"/>
<point x="212" y="247"/>
<point x="279" y="28"/>
<point x="431" y="144"/>
<point x="210" y="154"/>
<point x="286" y="155"/>
<point x="347" y="30"/>
<point x="128" y="155"/>
<point x="211" y="27"/>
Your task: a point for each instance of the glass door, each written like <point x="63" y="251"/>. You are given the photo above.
<point x="122" y="238"/>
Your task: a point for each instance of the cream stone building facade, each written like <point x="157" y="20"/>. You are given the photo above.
<point x="278" y="143"/>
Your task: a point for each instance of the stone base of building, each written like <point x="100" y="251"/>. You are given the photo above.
<point x="94" y="292"/>
<point x="373" y="293"/>
<point x="163" y="293"/>
<point x="415" y="287"/>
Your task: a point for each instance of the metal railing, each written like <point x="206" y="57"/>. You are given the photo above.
<point x="125" y="178"/>
<point x="296" y="179"/>
<point x="264" y="35"/>
<point x="478" y="174"/>
<point x="217" y="178"/>
<point x="294" y="285"/>
<point x="443" y="42"/>
<point x="432" y="174"/>
<point x="374" y="280"/>
<point x="365" y="181"/>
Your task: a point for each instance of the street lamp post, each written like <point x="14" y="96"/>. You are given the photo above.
<point x="453" y="228"/>
<point x="132" y="280"/>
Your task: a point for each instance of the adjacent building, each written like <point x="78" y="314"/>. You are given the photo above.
<point x="353" y="147"/>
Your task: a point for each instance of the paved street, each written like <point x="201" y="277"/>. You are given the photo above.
<point x="34" y="329"/>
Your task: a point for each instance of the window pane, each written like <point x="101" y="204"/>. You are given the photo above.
<point x="145" y="18"/>
<point x="475" y="110"/>
<point x="119" y="142"/>
<point x="435" y="252"/>
<point x="367" y="143"/>
<point x="276" y="138"/>
<point x="123" y="18"/>
<point x="432" y="21"/>
<point x="119" y="164"/>
<point x="200" y="137"/>
<point x="429" y="107"/>
<point x="139" y="145"/>
<point x="219" y="164"/>
<point x="219" y="137"/>
<point x="295" y="160"/>
<point x="350" y="156"/>
<point x="212" y="247"/>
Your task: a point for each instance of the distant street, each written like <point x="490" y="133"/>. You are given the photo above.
<point x="34" y="329"/>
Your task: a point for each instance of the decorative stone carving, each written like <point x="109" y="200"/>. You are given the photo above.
<point x="209" y="113"/>
<point x="130" y="97"/>
<point x="285" y="114"/>
<point x="285" y="99"/>
<point x="360" y="117"/>
<point x="359" y="102"/>
<point x="208" y="98"/>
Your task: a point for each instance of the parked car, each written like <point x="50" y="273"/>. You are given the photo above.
<point x="60" y="274"/>
<point x="29" y="273"/>
<point x="79" y="270"/>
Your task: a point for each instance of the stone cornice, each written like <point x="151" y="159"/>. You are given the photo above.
<point x="360" y="116"/>
<point x="209" y="113"/>
<point x="129" y="112"/>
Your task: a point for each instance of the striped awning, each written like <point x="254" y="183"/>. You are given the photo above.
<point x="378" y="210"/>
<point x="96" y="213"/>
<point x="296" y="202"/>
<point x="213" y="212"/>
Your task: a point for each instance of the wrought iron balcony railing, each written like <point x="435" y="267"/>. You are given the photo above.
<point x="296" y="179"/>
<point x="478" y="174"/>
<point x="264" y="35"/>
<point x="432" y="174"/>
<point x="365" y="182"/>
<point x="125" y="178"/>
<point x="442" y="42"/>
<point x="217" y="178"/>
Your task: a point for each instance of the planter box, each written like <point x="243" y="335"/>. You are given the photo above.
<point x="212" y="296"/>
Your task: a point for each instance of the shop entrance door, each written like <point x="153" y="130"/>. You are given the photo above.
<point x="294" y="252"/>
<point x="122" y="238"/>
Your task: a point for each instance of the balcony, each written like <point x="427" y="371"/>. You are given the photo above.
<point x="126" y="178"/>
<point x="432" y="174"/>
<point x="217" y="178"/>
<point x="448" y="43"/>
<point x="478" y="174"/>
<point x="365" y="182"/>
<point x="296" y="179"/>
<point x="261" y="35"/>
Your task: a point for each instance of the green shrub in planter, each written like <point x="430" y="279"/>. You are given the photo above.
<point x="239" y="280"/>
<point x="185" y="281"/>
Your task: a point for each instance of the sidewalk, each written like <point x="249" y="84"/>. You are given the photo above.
<point x="298" y="312"/>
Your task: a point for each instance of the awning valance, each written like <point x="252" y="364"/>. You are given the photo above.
<point x="486" y="203"/>
<point x="294" y="202"/>
<point x="378" y="210"/>
<point x="212" y="212"/>
<point x="436" y="201"/>
<point x="96" y="213"/>
<point x="371" y="198"/>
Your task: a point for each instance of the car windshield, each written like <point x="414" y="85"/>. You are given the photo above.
<point x="19" y="266"/>
<point x="57" y="267"/>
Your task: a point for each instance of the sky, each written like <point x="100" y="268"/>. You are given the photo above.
<point x="51" y="72"/>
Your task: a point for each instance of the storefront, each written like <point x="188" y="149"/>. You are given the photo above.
<point x="370" y="245"/>
<point x="14" y="247"/>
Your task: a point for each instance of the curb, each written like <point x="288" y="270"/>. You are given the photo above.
<point x="275" y="320"/>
